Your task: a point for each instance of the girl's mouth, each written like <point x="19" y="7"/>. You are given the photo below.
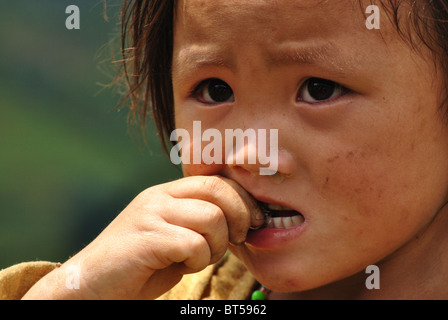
<point x="280" y="217"/>
<point x="282" y="225"/>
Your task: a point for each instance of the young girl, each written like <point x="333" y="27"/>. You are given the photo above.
<point x="362" y="175"/>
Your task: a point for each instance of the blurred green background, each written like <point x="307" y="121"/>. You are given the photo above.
<point x="69" y="161"/>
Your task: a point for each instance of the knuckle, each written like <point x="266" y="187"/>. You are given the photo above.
<point x="218" y="253"/>
<point x="196" y="245"/>
<point x="148" y="193"/>
<point x="237" y="234"/>
<point x="212" y="214"/>
<point x="213" y="184"/>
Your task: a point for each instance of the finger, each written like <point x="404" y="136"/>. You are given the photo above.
<point x="206" y="219"/>
<point x="216" y="190"/>
<point x="257" y="218"/>
<point x="162" y="281"/>
<point x="177" y="245"/>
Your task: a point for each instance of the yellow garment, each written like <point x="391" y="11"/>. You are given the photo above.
<point x="15" y="281"/>
<point x="226" y="280"/>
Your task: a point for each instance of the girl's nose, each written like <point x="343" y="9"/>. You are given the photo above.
<point x="259" y="159"/>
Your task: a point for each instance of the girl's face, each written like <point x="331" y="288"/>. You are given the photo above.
<point x="362" y="154"/>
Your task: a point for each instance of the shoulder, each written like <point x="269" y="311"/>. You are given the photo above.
<point x="226" y="280"/>
<point x="16" y="280"/>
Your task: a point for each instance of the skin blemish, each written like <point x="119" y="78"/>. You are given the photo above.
<point x="333" y="159"/>
<point x="357" y="153"/>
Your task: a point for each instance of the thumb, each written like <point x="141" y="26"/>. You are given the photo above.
<point x="256" y="216"/>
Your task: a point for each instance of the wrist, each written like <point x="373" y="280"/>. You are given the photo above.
<point x="59" y="284"/>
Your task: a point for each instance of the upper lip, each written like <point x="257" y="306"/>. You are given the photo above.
<point x="259" y="191"/>
<point x="265" y="199"/>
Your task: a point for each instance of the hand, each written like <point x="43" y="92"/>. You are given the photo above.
<point x="166" y="231"/>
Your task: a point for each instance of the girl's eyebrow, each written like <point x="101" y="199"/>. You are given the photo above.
<point x="196" y="57"/>
<point x="326" y="55"/>
<point x="296" y="53"/>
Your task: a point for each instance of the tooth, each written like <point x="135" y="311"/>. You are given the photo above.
<point x="296" y="220"/>
<point x="278" y="222"/>
<point x="284" y="222"/>
<point x="287" y="222"/>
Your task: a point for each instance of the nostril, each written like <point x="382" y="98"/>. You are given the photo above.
<point x="242" y="170"/>
<point x="278" y="177"/>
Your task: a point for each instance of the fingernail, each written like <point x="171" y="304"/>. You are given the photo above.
<point x="260" y="216"/>
<point x="239" y="241"/>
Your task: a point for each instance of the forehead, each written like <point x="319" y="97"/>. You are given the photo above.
<point x="230" y="32"/>
<point x="233" y="19"/>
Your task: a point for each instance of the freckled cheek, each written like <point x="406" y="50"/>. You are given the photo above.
<point x="358" y="185"/>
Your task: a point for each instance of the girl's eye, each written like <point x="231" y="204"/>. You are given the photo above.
<point x="213" y="91"/>
<point x="316" y="90"/>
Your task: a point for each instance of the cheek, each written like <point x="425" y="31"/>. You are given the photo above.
<point x="199" y="151"/>
<point x="373" y="188"/>
<point x="354" y="178"/>
<point x="393" y="169"/>
<point x="363" y="206"/>
<point x="201" y="169"/>
<point x="196" y="122"/>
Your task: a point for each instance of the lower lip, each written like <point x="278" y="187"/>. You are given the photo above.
<point x="271" y="238"/>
